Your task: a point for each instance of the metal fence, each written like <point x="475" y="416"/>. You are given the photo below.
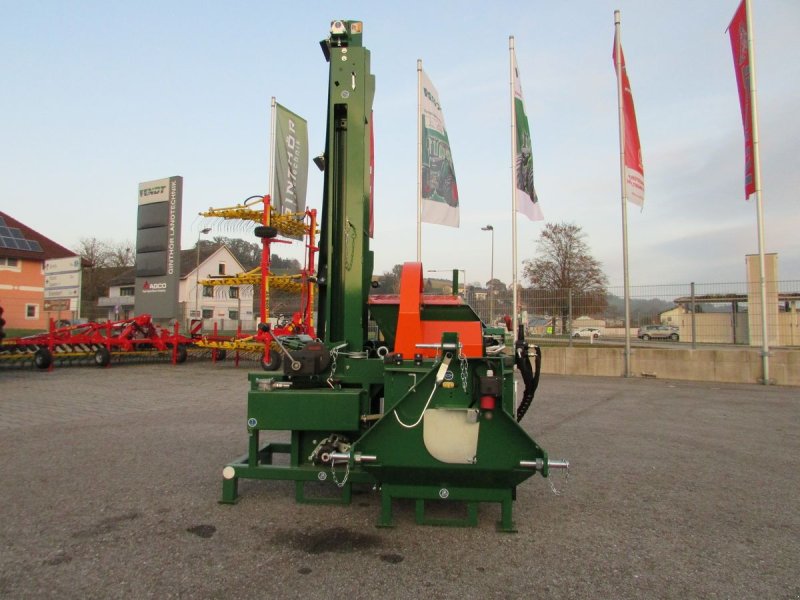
<point x="702" y="313"/>
<point x="707" y="313"/>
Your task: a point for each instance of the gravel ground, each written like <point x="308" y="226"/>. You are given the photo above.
<point x="110" y="480"/>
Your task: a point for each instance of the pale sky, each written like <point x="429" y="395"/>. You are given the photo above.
<point x="99" y="96"/>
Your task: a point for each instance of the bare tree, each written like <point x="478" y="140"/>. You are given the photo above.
<point x="121" y="254"/>
<point x="93" y="252"/>
<point x="102" y="260"/>
<point x="389" y="282"/>
<point x="100" y="254"/>
<point x="565" y="267"/>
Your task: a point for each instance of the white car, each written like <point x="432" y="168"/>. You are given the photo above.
<point x="587" y="332"/>
<point x="658" y="332"/>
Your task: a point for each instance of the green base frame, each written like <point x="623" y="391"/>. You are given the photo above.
<point x="264" y="468"/>
<point x="470" y="496"/>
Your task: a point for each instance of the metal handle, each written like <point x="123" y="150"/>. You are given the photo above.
<point x="449" y="346"/>
<point x="538" y="464"/>
<point x="345" y="457"/>
<point x="558" y="464"/>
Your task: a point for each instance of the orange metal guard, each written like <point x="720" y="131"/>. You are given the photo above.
<point x="413" y="330"/>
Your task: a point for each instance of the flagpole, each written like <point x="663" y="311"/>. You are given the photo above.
<point x="272" y="118"/>
<point x="624" y="193"/>
<point x="265" y="248"/>
<point x="757" y="184"/>
<point x="515" y="308"/>
<point x="419" y="160"/>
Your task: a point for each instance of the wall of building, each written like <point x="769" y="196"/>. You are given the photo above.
<point x="220" y="305"/>
<point x="754" y="307"/>
<point x="21" y="290"/>
<point x="789" y="327"/>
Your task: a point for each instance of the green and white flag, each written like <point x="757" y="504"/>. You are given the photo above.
<point x="290" y="162"/>
<point x="527" y="201"/>
<point x="439" y="189"/>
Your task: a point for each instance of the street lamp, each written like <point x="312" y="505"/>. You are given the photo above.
<point x="206" y="231"/>
<point x="491" y="277"/>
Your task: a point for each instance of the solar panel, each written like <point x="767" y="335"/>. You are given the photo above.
<point x="14" y="243"/>
<point x="12" y="238"/>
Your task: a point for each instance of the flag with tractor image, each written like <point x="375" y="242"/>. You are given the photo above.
<point x="439" y="189"/>
<point x="527" y="201"/>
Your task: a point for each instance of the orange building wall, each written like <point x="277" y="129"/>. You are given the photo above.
<point x="19" y="288"/>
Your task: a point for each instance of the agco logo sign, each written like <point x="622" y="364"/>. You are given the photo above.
<point x="149" y="288"/>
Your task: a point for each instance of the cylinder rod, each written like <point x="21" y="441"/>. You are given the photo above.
<point x="345" y="457"/>
<point x="538" y="464"/>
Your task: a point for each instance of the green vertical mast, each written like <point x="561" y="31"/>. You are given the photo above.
<point x="345" y="260"/>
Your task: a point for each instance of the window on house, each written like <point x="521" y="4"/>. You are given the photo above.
<point x="233" y="292"/>
<point x="208" y="313"/>
<point x="233" y="315"/>
<point x="208" y="291"/>
<point x="31" y="311"/>
<point x="127" y="291"/>
<point x="9" y="263"/>
<point x="221" y="269"/>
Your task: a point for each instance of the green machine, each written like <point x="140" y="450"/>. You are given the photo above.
<point x="427" y="411"/>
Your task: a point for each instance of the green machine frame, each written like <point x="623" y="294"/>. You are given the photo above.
<point x="433" y="425"/>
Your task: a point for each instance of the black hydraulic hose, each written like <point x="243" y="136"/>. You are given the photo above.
<point x="530" y="375"/>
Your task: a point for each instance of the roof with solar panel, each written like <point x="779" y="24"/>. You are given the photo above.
<point x="17" y="240"/>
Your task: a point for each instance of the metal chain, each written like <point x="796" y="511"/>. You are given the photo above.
<point x="334" y="355"/>
<point x="555" y="491"/>
<point x="346" y="474"/>
<point x="463" y="361"/>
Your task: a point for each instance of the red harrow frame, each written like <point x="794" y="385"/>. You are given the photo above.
<point x="98" y="342"/>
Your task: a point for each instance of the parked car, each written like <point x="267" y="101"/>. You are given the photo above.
<point x="658" y="332"/>
<point x="587" y="332"/>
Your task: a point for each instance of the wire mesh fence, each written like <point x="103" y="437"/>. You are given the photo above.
<point x="705" y="313"/>
<point x="708" y="313"/>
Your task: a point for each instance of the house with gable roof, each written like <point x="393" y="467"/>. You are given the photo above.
<point x="221" y="304"/>
<point x="23" y="252"/>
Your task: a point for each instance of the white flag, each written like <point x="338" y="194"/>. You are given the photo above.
<point x="527" y="201"/>
<point x="439" y="190"/>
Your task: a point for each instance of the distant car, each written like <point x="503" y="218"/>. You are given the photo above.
<point x="587" y="332"/>
<point x="658" y="332"/>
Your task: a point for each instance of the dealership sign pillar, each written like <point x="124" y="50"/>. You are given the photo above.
<point x="158" y="248"/>
<point x="62" y="285"/>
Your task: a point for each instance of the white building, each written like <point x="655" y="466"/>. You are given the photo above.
<point x="224" y="305"/>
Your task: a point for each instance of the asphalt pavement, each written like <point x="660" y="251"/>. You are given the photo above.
<point x="109" y="482"/>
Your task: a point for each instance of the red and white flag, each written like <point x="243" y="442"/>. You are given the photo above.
<point x="741" y="62"/>
<point x="634" y="170"/>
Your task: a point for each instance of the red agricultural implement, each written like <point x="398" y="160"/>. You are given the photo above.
<point x="272" y="340"/>
<point x="97" y="343"/>
<point x="268" y="345"/>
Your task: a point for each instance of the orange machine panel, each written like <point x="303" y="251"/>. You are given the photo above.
<point x="412" y="330"/>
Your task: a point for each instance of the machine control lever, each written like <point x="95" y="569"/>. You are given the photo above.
<point x="443" y="368"/>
